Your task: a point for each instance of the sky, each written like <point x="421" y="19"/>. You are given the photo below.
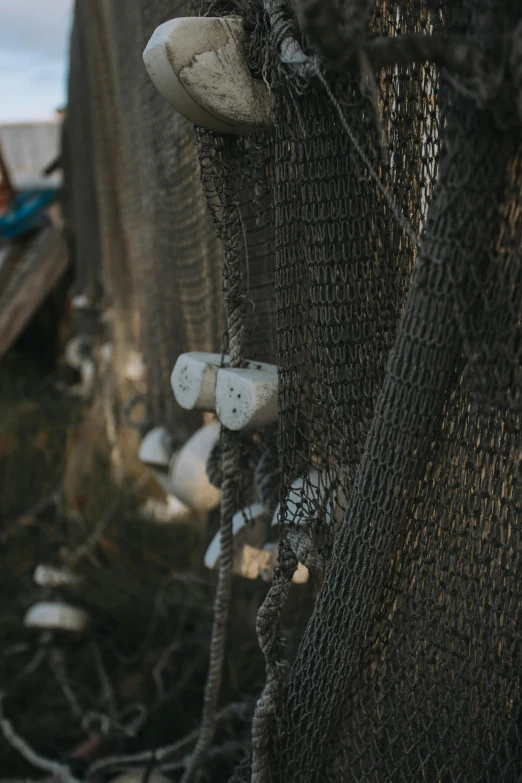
<point x="34" y="41"/>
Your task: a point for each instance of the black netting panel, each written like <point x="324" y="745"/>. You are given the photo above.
<point x="398" y="359"/>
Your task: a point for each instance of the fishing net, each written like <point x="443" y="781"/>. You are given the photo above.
<point x="160" y="259"/>
<point x="372" y="250"/>
<point x="399" y="379"/>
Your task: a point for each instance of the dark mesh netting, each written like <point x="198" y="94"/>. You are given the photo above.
<point x="160" y="259"/>
<point x="372" y="250"/>
<point x="399" y="406"/>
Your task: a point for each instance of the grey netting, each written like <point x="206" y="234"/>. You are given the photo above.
<point x="161" y="262"/>
<point x="407" y="397"/>
<point x="378" y="234"/>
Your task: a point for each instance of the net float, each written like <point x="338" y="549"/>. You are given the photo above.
<point x="188" y="470"/>
<point x="250" y="530"/>
<point x="156" y="453"/>
<point x="81" y="302"/>
<point x="300" y="577"/>
<point x="48" y="576"/>
<point x="57" y="616"/>
<point x="246" y="397"/>
<point x="77" y="351"/>
<point x="79" y="356"/>
<point x="199" y="65"/>
<point x="194" y="378"/>
<point x="156" y="448"/>
<point x="310" y="496"/>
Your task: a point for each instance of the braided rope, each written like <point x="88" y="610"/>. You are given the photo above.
<point x="269" y="635"/>
<point x="230" y="473"/>
<point x="214" y="467"/>
<point x="230" y="463"/>
<point x="267" y="479"/>
<point x="303" y="547"/>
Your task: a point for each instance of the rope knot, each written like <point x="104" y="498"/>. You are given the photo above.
<point x="303" y="547"/>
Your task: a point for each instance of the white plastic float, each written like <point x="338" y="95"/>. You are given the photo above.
<point x="77" y="351"/>
<point x="81" y="302"/>
<point x="194" y="380"/>
<point x="134" y="367"/>
<point x="246" y="397"/>
<point x="157" y="454"/>
<point x="107" y="353"/>
<point x="57" y="616"/>
<point x="48" y="576"/>
<point x="156" y="448"/>
<point x="300" y="576"/>
<point x="188" y="470"/>
<point x="199" y="65"/>
<point x="305" y="496"/>
<point x="250" y="531"/>
<point x="243" y="397"/>
<point x="163" y="512"/>
<point x="78" y="355"/>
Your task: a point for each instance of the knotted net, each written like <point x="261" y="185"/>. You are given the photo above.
<point x="394" y="201"/>
<point x="377" y="230"/>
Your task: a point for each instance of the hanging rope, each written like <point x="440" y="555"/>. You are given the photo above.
<point x="230" y="473"/>
<point x="269" y="636"/>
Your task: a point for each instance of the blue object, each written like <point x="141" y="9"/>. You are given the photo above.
<point x="26" y="213"/>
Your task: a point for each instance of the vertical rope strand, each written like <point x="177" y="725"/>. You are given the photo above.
<point x="269" y="635"/>
<point x="231" y="234"/>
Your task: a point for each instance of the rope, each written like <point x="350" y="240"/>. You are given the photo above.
<point x="214" y="467"/>
<point x="269" y="634"/>
<point x="303" y="547"/>
<point x="267" y="479"/>
<point x="231" y="455"/>
<point x="230" y="477"/>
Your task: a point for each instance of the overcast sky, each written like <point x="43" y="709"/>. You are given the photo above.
<point x="34" y="40"/>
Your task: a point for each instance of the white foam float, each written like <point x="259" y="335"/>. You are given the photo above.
<point x="300" y="576"/>
<point x="107" y="353"/>
<point x="135" y="367"/>
<point x="48" y="576"/>
<point x="157" y="454"/>
<point x="156" y="448"/>
<point x="163" y="479"/>
<point x="194" y="378"/>
<point x="88" y="375"/>
<point x="188" y="470"/>
<point x="163" y="512"/>
<point x="81" y="302"/>
<point x="250" y="530"/>
<point x="308" y="495"/>
<point x="78" y="355"/>
<point x="246" y="397"/>
<point x="57" y="616"/>
<point x="77" y="351"/>
<point x="199" y="65"/>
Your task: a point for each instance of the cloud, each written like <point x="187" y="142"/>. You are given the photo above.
<point x="34" y="42"/>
